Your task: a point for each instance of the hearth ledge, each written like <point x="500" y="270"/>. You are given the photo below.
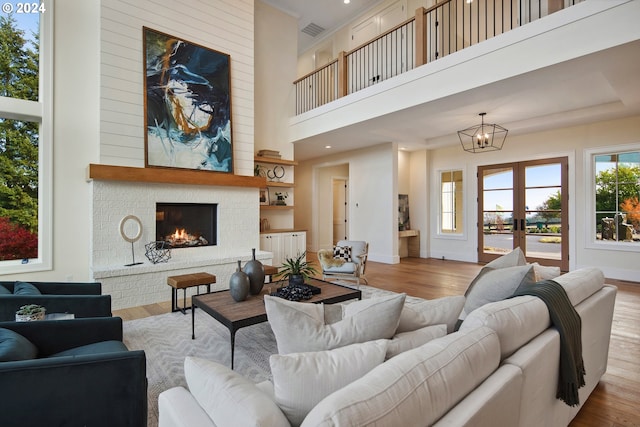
<point x="147" y="267"/>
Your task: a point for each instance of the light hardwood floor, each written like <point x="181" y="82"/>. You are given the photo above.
<point x="614" y="402"/>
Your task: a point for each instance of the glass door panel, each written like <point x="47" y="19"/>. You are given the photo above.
<point x="522" y="205"/>
<point x="497" y="201"/>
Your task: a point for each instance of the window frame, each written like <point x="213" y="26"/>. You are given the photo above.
<point x="591" y="242"/>
<point x="458" y="235"/>
<point x="40" y="111"/>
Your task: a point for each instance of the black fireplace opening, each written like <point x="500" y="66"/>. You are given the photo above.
<point x="187" y="225"/>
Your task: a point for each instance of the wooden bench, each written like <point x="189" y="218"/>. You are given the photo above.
<point x="185" y="281"/>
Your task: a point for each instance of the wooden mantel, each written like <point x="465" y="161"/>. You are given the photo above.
<point x="172" y="176"/>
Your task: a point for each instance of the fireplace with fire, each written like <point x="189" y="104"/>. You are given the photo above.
<point x="187" y="225"/>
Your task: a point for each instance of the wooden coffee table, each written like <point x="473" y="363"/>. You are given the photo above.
<point x="235" y="315"/>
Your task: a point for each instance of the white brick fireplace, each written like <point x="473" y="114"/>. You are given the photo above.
<point x="146" y="283"/>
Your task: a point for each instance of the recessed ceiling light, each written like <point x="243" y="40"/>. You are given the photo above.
<point x="327" y="146"/>
<point x="347" y="1"/>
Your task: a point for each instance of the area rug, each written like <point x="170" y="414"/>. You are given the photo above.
<point x="166" y="340"/>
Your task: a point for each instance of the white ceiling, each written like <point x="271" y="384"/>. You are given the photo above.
<point x="328" y="14"/>
<point x="596" y="87"/>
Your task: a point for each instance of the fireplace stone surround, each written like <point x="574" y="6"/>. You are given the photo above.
<point x="146" y="283"/>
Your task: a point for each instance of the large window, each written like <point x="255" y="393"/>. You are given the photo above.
<point x="451" y="201"/>
<point x="616" y="195"/>
<point x="25" y="137"/>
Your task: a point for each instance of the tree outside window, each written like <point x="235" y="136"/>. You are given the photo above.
<point x="19" y="140"/>
<point x="617" y="193"/>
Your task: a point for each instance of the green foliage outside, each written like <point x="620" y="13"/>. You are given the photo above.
<point x="18" y="139"/>
<point x="617" y="190"/>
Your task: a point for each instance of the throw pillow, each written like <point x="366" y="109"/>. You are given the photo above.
<point x="543" y="272"/>
<point x="406" y="341"/>
<point x="415" y="388"/>
<point x="24" y="288"/>
<point x="4" y="291"/>
<point x="495" y="285"/>
<point x="431" y="312"/>
<point x="14" y="346"/>
<point x="228" y="398"/>
<point x="512" y="259"/>
<point x="302" y="380"/>
<point x="297" y="331"/>
<point x="343" y="252"/>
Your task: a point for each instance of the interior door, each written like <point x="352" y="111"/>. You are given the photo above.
<point x="524" y="204"/>
<point x="339" y="210"/>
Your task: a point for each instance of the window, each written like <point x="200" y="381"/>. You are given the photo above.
<point x="616" y="191"/>
<point x="451" y="202"/>
<point x="25" y="138"/>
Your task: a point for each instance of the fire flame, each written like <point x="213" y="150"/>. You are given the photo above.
<point x="180" y="234"/>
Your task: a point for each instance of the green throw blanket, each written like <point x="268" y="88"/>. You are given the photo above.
<point x="569" y="325"/>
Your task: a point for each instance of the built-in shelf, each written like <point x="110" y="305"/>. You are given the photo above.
<point x="280" y="184"/>
<point x="274" y="161"/>
<point x="276" y="207"/>
<point x="172" y="176"/>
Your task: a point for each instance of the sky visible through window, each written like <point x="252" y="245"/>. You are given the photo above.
<point x="29" y="22"/>
<point x="548" y="175"/>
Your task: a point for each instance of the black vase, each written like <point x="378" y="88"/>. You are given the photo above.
<point x="239" y="285"/>
<point x="255" y="270"/>
<point x="296" y="280"/>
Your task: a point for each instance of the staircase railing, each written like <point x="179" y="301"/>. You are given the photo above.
<point x="445" y="28"/>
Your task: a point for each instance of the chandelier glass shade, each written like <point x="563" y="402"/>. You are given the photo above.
<point x="483" y="137"/>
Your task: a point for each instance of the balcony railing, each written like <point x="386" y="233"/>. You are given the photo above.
<point x="445" y="28"/>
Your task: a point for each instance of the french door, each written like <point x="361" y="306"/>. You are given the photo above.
<point x="524" y="204"/>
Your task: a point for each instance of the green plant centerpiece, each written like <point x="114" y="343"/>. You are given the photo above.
<point x="30" y="312"/>
<point x="297" y="270"/>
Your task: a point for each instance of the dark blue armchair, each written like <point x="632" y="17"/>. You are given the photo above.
<point x="79" y="299"/>
<point x="82" y="375"/>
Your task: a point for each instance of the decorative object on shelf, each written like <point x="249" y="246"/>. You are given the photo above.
<point x="274" y="154"/>
<point x="239" y="284"/>
<point x="483" y="137"/>
<point x="264" y="196"/>
<point x="30" y="312"/>
<point x="276" y="174"/>
<point x="259" y="171"/>
<point x="255" y="270"/>
<point x="131" y="239"/>
<point x="158" y="251"/>
<point x="187" y="104"/>
<point x="297" y="270"/>
<point x="264" y="224"/>
<point x="281" y="198"/>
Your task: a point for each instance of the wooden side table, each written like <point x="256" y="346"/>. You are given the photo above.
<point x="269" y="271"/>
<point x="185" y="281"/>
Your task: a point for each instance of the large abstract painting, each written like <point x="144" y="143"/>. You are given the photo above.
<point x="187" y="104"/>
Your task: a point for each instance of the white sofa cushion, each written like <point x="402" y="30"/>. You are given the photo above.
<point x="409" y="340"/>
<point x="418" y="386"/>
<point x="228" y="398"/>
<point x="581" y="284"/>
<point x="516" y="321"/>
<point x="431" y="312"/>
<point x="298" y="331"/>
<point x="302" y="380"/>
<point x="495" y="285"/>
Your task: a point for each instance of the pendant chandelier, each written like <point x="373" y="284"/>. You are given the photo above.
<point x="483" y="137"/>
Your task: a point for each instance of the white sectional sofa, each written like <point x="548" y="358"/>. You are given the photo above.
<point x="500" y="368"/>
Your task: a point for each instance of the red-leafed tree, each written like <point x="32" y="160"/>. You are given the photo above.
<point x="16" y="242"/>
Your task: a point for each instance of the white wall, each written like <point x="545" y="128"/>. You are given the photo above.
<point x="373" y="199"/>
<point x="224" y="25"/>
<point x="276" y="54"/>
<point x="571" y="142"/>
